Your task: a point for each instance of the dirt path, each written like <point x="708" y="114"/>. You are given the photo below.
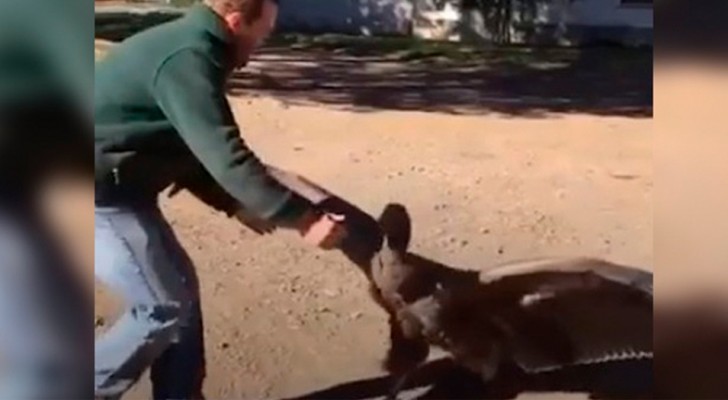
<point x="283" y="319"/>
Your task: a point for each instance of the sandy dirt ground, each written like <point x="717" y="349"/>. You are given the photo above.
<point x="283" y="319"/>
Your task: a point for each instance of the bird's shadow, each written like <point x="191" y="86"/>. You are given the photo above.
<point x="442" y="379"/>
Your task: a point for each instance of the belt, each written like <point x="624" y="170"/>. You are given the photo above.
<point x="110" y="190"/>
<point x="121" y="182"/>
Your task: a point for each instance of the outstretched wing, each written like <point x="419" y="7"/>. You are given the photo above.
<point x="568" y="269"/>
<point x="576" y="311"/>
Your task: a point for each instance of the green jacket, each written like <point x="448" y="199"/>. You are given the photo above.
<point x="161" y="115"/>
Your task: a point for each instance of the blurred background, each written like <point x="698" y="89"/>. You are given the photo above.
<point x="511" y="129"/>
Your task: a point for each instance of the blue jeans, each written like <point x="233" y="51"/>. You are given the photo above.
<point x="45" y="313"/>
<point x="138" y="257"/>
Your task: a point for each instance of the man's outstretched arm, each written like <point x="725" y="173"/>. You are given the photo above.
<point x="189" y="88"/>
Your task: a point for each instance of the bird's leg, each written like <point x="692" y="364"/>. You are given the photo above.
<point x="491" y="365"/>
<point x="404" y="355"/>
<point x="400" y="382"/>
<point x="488" y="371"/>
<point x="483" y="360"/>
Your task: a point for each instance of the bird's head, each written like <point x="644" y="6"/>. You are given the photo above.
<point x="396" y="226"/>
<point x="389" y="267"/>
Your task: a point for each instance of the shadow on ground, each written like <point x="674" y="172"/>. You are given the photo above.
<point x="441" y="379"/>
<point x="366" y="75"/>
<point x="691" y="347"/>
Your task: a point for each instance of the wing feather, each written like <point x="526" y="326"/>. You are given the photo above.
<point x="565" y="267"/>
<point x="573" y="311"/>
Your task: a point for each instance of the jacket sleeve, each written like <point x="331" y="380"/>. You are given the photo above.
<point x="189" y="88"/>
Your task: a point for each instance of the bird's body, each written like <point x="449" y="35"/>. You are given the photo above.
<point x="538" y="315"/>
<point x="545" y="318"/>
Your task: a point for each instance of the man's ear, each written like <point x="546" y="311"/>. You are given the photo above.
<point x="234" y="21"/>
<point x="396" y="226"/>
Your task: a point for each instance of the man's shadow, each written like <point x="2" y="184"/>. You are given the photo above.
<point x="442" y="379"/>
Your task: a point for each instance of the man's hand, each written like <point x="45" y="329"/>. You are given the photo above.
<point x="323" y="230"/>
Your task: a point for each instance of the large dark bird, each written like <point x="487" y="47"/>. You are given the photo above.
<point x="538" y="315"/>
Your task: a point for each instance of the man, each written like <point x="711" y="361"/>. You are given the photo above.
<point x="161" y="118"/>
<point x="45" y="90"/>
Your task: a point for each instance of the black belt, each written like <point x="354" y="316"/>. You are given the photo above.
<point x="119" y="182"/>
<point x="110" y="191"/>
